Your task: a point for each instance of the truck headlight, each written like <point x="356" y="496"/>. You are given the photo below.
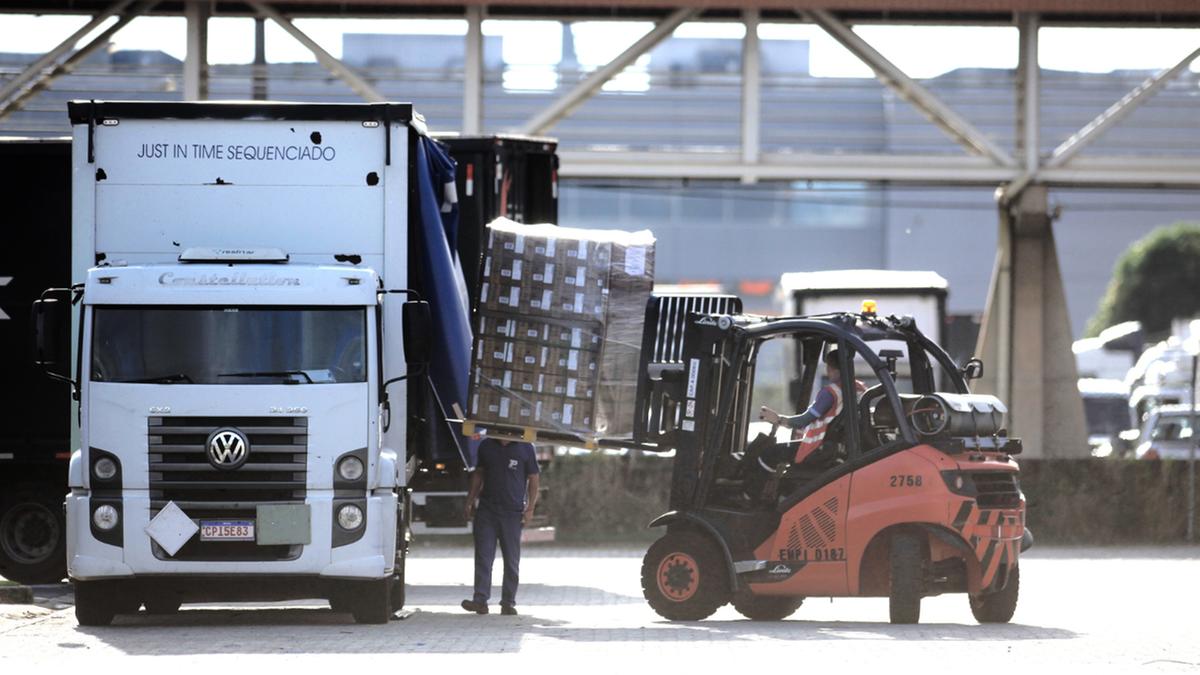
<point x="349" y="517"/>
<point x="350" y="468"/>
<point x="104" y="469"/>
<point x="105" y="517"/>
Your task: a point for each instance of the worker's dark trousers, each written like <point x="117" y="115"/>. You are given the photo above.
<point x="490" y="526"/>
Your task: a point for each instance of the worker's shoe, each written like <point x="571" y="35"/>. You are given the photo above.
<point x="477" y="607"/>
<point x="508" y="610"/>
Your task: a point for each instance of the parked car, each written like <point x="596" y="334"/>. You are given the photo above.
<point x="1160" y="377"/>
<point x="1167" y="433"/>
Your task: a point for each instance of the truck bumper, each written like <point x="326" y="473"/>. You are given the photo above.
<point x="371" y="556"/>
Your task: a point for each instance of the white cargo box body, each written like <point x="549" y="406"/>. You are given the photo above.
<point x="312" y="180"/>
<point x="921" y="295"/>
<point x="321" y="182"/>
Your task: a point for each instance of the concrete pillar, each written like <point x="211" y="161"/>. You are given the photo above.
<point x="1025" y="340"/>
<point x="195" y="64"/>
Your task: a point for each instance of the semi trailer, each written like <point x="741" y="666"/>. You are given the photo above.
<point x="35" y="434"/>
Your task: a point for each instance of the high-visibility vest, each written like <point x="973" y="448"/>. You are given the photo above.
<point x="811" y="436"/>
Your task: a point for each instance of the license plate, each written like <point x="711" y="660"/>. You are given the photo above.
<point x="227" y="530"/>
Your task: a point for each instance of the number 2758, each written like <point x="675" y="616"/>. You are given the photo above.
<point x="905" y="481"/>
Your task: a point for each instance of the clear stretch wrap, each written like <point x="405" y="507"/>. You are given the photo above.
<point x="559" y="327"/>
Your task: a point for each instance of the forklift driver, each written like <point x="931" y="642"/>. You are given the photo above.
<point x="809" y="428"/>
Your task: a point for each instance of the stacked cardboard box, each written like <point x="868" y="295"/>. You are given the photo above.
<point x="559" y="328"/>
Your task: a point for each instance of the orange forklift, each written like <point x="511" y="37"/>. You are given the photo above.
<point x="913" y="492"/>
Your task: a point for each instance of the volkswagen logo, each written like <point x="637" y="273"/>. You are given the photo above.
<point x="227" y="448"/>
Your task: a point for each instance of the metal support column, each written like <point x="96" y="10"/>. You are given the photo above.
<point x="472" y="122"/>
<point x="43" y="80"/>
<point x="1028" y="93"/>
<point x="751" y="92"/>
<point x="541" y="122"/>
<point x="333" y="65"/>
<point x="957" y="127"/>
<point x="195" y="64"/>
<point x="259" y="85"/>
<point x="1026" y="334"/>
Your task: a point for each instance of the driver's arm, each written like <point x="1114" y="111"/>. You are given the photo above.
<point x="820" y="407"/>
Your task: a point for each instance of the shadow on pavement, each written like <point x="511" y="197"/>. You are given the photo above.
<point x="530" y="594"/>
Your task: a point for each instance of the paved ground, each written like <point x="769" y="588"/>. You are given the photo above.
<point x="1112" y="609"/>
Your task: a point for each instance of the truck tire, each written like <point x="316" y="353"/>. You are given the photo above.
<point x="371" y="601"/>
<point x="684" y="577"/>
<point x="907" y="566"/>
<point x="162" y="606"/>
<point x="97" y="602"/>
<point x="33" y="544"/>
<point x="764" y="607"/>
<point x="998" y="607"/>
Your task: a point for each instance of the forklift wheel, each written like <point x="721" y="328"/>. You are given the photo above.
<point x="765" y="608"/>
<point x="908" y="578"/>
<point x="684" y="577"/>
<point x="998" y="607"/>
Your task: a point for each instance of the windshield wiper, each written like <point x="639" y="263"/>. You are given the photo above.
<point x="163" y="379"/>
<point x="272" y="373"/>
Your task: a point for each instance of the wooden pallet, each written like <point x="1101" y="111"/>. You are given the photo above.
<point x="475" y="429"/>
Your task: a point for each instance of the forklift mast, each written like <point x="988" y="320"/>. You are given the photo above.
<point x="676" y="399"/>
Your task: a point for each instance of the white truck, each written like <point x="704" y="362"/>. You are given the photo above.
<point x="238" y="274"/>
<point x="919" y="294"/>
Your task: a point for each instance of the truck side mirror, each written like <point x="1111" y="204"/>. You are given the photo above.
<point x="47" y="341"/>
<point x="50" y="354"/>
<point x="418" y="328"/>
<point x="973" y="370"/>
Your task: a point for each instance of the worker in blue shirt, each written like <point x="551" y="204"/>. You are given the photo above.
<point x="505" y="481"/>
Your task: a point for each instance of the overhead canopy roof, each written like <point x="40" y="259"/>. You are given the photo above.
<point x="1069" y="12"/>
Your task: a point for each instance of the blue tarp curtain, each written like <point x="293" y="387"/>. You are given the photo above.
<point x="442" y="285"/>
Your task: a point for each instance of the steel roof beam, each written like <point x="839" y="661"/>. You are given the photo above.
<point x="540" y="123"/>
<point x="343" y="72"/>
<point x="1116" y="112"/>
<point x="18" y="98"/>
<point x="956" y="126"/>
<point x="909" y="169"/>
<point x="54" y="55"/>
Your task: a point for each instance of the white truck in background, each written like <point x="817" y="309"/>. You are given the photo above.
<point x="919" y="294"/>
<point x="242" y="424"/>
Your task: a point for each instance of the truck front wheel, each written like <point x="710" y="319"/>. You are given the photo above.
<point x="32" y="545"/>
<point x="370" y="601"/>
<point x="97" y="602"/>
<point x="998" y="607"/>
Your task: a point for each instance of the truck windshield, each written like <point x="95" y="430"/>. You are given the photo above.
<point x="229" y="345"/>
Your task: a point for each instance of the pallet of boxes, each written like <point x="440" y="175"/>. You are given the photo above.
<point x="558" y="332"/>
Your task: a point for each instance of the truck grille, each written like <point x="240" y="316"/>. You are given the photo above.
<point x="276" y="470"/>
<point x="996" y="489"/>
